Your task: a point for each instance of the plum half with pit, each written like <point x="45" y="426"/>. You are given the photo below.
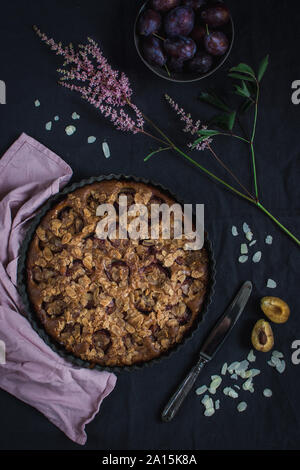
<point x="179" y="22"/>
<point x="153" y="51"/>
<point x="164" y="5"/>
<point x="216" y="43"/>
<point x="201" y="63"/>
<point x="149" y="22"/>
<point x="180" y="47"/>
<point x="215" y="15"/>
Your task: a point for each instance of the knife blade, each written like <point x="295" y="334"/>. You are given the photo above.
<point x="227" y="321"/>
<point x="210" y="347"/>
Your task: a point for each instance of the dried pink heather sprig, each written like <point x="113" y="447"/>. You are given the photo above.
<point x="191" y="127"/>
<point x="88" y="72"/>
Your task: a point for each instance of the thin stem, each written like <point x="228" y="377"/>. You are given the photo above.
<point x="173" y="146"/>
<point x="236" y="136"/>
<point x="212" y="175"/>
<point x="142" y="131"/>
<point x="156" y="151"/>
<point x="159" y="37"/>
<point x="230" y="172"/>
<point x="252" y="140"/>
<point x="277" y="222"/>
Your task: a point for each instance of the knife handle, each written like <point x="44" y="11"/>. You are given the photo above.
<point x="181" y="393"/>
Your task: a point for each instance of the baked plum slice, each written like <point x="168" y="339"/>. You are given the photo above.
<point x="102" y="340"/>
<point x="118" y="271"/>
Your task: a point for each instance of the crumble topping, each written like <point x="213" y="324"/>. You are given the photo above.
<point x="112" y="302"/>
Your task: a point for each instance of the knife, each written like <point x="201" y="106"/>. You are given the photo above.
<point x="210" y="347"/>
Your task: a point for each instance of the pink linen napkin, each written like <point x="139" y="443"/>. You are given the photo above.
<point x="67" y="395"/>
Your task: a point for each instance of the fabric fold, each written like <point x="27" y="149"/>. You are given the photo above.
<point x="68" y="396"/>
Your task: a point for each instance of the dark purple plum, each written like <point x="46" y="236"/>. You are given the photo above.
<point x="180" y="47"/>
<point x="175" y="65"/>
<point x="198" y="34"/>
<point x="201" y="63"/>
<point x="195" y="4"/>
<point x="216" y="43"/>
<point x="164" y="5"/>
<point x="153" y="51"/>
<point x="179" y="22"/>
<point x="149" y="22"/>
<point x="215" y="15"/>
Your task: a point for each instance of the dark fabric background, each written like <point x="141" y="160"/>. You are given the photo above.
<point x="129" y="417"/>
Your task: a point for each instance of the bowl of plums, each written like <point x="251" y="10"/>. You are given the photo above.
<point x="184" y="40"/>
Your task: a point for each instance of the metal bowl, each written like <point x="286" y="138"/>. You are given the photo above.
<point x="186" y="76"/>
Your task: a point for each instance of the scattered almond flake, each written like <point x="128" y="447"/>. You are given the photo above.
<point x="271" y="284"/>
<point x="48" y="126"/>
<point x="244" y="249"/>
<point x="243" y="259"/>
<point x="256" y="257"/>
<point x="249" y="235"/>
<point x="267" y="392"/>
<point x="214" y="377"/>
<point x="70" y="130"/>
<point x="275" y="360"/>
<point x="254" y="372"/>
<point x="248" y="384"/>
<point x="277" y="354"/>
<point x="242" y="406"/>
<point x="281" y="367"/>
<point x="233" y="365"/>
<point x="91" y="139"/>
<point x="217" y="404"/>
<point x="75" y="116"/>
<point x="106" y="149"/>
<point x="212" y="390"/>
<point x="246" y="228"/>
<point x="242" y="367"/>
<point x="269" y="240"/>
<point x="232" y="393"/>
<point x="224" y="368"/>
<point x="234" y="377"/>
<point x="234" y="231"/>
<point x="271" y="363"/>
<point x="246" y="374"/>
<point x="216" y="382"/>
<point x="209" y="412"/>
<point x="251" y="356"/>
<point x="252" y="243"/>
<point x="56" y="118"/>
<point x="201" y="390"/>
<point x="37" y="103"/>
<point x="236" y="386"/>
<point x="205" y="399"/>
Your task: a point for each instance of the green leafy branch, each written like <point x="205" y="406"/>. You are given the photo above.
<point x="246" y="86"/>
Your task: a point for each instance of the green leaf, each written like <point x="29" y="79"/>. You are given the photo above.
<point x="208" y="132"/>
<point x="224" y="121"/>
<point x="243" y="68"/>
<point x="241" y="77"/>
<point x="154" y="152"/>
<point x="243" y="90"/>
<point x="263" y="67"/>
<point x="214" y="100"/>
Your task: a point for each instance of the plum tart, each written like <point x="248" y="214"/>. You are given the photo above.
<point x="112" y="302"/>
